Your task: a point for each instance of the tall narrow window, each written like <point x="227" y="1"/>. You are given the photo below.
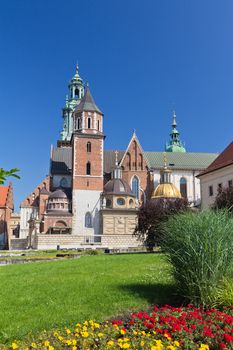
<point x="211" y="192"/>
<point x="89" y="147"/>
<point x="98" y="125"/>
<point x="183" y="187"/>
<point x="79" y="123"/>
<point x="88" y="168"/>
<point x="128" y="161"/>
<point x="76" y="94"/>
<point x="135" y="186"/>
<point x="88" y="220"/>
<point x="88" y="123"/>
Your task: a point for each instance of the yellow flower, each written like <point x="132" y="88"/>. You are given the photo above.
<point x="14" y="345"/>
<point x="176" y="343"/>
<point x="68" y="331"/>
<point x="123" y="331"/>
<point x="51" y="347"/>
<point x="96" y="325"/>
<point x="204" y="347"/>
<point x="85" y="323"/>
<point x="125" y="346"/>
<point x="142" y="342"/>
<point x="46" y="343"/>
<point x="33" y="345"/>
<point x="135" y="332"/>
<point x="74" y="348"/>
<point x="171" y="347"/>
<point x="100" y="335"/>
<point x="110" y="343"/>
<point x="85" y="334"/>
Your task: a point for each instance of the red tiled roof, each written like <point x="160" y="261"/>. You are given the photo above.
<point x="3" y="195"/>
<point x="225" y="158"/>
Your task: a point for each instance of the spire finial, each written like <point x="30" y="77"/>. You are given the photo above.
<point x="165" y="160"/>
<point x="116" y="158"/>
<point x="77" y="67"/>
<point x="174" y="119"/>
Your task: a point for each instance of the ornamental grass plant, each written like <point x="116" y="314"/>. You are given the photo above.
<point x="199" y="247"/>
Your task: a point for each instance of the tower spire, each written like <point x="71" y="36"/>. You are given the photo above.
<point x="175" y="144"/>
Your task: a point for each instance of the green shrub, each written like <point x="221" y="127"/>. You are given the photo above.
<point x="224" y="293"/>
<point x="199" y="247"/>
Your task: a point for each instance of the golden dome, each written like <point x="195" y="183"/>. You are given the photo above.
<point x="166" y="190"/>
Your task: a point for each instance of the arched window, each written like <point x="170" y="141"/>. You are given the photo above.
<point x="88" y="147"/>
<point x="88" y="220"/>
<point x="135" y="186"/>
<point x="88" y="123"/>
<point x="88" y="168"/>
<point x="76" y="93"/>
<point x="140" y="165"/>
<point x="183" y="187"/>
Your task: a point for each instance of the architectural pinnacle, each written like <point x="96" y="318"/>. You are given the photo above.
<point x="174" y="120"/>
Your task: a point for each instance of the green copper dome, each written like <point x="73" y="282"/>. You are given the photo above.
<point x="174" y="145"/>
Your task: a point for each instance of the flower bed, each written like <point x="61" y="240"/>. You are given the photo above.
<point x="162" y="328"/>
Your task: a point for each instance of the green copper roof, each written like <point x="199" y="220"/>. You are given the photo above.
<point x="179" y="160"/>
<point x="174" y="145"/>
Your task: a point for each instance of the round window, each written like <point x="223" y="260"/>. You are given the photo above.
<point x="120" y="201"/>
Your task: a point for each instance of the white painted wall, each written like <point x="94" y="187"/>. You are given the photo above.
<point x="213" y="179"/>
<point x="85" y="201"/>
<point x="25" y="214"/>
<point x="193" y="183"/>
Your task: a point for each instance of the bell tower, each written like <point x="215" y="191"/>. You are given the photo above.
<point x="76" y="92"/>
<point x="87" y="144"/>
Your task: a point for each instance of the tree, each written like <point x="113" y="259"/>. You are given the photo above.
<point x="6" y="173"/>
<point x="224" y="199"/>
<point x="151" y="216"/>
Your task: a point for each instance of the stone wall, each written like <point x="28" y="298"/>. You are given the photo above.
<point x="43" y="241"/>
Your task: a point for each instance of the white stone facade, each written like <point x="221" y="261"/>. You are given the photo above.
<point x="85" y="201"/>
<point x="25" y="214"/>
<point x="214" y="179"/>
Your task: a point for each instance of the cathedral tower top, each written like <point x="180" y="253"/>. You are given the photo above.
<point x="175" y="144"/>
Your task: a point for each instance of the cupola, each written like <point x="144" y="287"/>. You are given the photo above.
<point x="166" y="189"/>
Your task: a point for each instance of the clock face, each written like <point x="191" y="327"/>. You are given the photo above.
<point x="64" y="182"/>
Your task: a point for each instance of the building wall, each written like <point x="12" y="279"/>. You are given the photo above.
<point x="220" y="176"/>
<point x="72" y="241"/>
<point x="85" y="201"/>
<point x="134" y="164"/>
<point x="193" y="183"/>
<point x="116" y="223"/>
<point x="25" y="214"/>
<point x="51" y="221"/>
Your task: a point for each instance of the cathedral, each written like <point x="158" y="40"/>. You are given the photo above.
<point x="91" y="196"/>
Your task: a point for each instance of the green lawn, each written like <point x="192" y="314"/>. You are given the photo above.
<point x="44" y="295"/>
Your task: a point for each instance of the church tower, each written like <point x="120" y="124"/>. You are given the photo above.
<point x="175" y="144"/>
<point x="76" y="92"/>
<point x="87" y="144"/>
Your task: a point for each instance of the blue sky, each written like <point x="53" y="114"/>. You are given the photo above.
<point x="142" y="59"/>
